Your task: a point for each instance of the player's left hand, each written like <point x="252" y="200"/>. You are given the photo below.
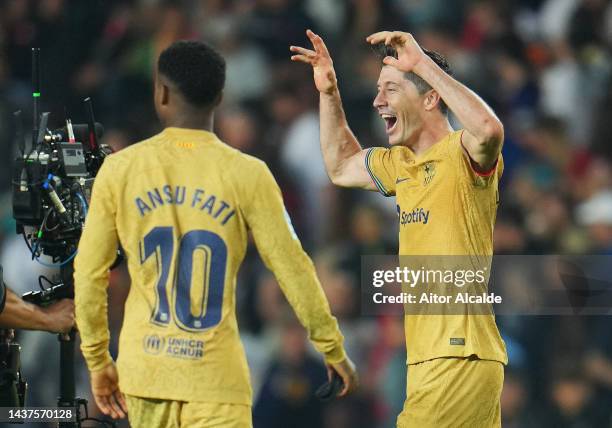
<point x="105" y="388"/>
<point x="409" y="53"/>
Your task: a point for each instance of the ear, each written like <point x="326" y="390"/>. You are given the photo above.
<point x="164" y="93"/>
<point x="431" y="100"/>
<point x="218" y="99"/>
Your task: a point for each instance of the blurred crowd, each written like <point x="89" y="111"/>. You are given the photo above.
<point x="545" y="66"/>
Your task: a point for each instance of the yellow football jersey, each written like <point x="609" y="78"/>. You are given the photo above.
<point x="180" y="205"/>
<point x="445" y="208"/>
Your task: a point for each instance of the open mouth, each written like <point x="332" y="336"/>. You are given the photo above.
<point x="390" y="122"/>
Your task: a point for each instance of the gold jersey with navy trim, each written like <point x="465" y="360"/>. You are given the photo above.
<point x="445" y="208"/>
<point x="181" y="204"/>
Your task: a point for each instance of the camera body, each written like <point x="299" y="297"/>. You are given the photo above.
<point x="51" y="188"/>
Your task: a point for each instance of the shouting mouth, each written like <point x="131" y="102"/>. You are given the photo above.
<point x="390" y="122"/>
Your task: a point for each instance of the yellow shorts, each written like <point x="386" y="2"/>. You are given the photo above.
<point x="154" y="413"/>
<point x="453" y="393"/>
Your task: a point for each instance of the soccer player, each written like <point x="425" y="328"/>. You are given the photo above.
<point x="455" y="370"/>
<point x="181" y="204"/>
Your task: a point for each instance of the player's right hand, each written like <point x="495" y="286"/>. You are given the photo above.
<point x="408" y="50"/>
<point x="346" y="370"/>
<point x="60" y="316"/>
<point x="321" y="62"/>
<point x="105" y="389"/>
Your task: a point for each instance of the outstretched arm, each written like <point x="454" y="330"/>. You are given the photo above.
<point x="18" y="314"/>
<point x="484" y="132"/>
<point x="343" y="156"/>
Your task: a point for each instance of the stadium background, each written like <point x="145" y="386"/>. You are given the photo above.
<point x="544" y="66"/>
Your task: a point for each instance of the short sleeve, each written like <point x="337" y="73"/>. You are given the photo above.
<point x="380" y="166"/>
<point x="469" y="168"/>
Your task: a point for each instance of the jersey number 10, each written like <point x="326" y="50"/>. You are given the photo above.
<point x="215" y="263"/>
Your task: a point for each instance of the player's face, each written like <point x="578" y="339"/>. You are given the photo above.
<point x="399" y="104"/>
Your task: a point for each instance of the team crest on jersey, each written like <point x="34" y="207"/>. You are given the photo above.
<point x="429" y="172"/>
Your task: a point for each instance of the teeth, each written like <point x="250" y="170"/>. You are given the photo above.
<point x="387" y="116"/>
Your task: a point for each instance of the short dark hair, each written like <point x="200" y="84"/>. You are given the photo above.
<point x="196" y="69"/>
<point x="422" y="86"/>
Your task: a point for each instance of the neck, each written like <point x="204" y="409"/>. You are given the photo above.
<point x="431" y="133"/>
<point x="193" y="120"/>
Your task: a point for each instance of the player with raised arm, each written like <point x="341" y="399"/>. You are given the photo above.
<point x="455" y="362"/>
<point x="181" y="204"/>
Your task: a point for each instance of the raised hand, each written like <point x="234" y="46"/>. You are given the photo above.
<point x="409" y="53"/>
<point x="321" y="62"/>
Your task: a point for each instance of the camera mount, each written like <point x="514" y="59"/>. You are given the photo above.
<point x="51" y="186"/>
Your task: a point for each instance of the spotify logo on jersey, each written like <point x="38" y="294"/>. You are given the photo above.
<point x="417" y="215"/>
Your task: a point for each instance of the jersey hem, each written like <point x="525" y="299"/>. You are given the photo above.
<point x="202" y="396"/>
<point x="503" y="360"/>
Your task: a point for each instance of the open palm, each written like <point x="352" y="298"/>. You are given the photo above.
<point x="320" y="60"/>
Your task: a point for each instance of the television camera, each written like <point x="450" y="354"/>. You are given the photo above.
<point x="51" y="189"/>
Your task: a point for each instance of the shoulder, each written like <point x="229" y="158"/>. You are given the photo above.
<point x="453" y="146"/>
<point x="252" y="162"/>
<point x="239" y="162"/>
<point x="394" y="153"/>
<point x="133" y="151"/>
<point x="243" y="169"/>
<point x="452" y="142"/>
<point x="251" y="168"/>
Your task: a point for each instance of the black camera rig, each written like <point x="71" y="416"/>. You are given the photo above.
<point x="52" y="183"/>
